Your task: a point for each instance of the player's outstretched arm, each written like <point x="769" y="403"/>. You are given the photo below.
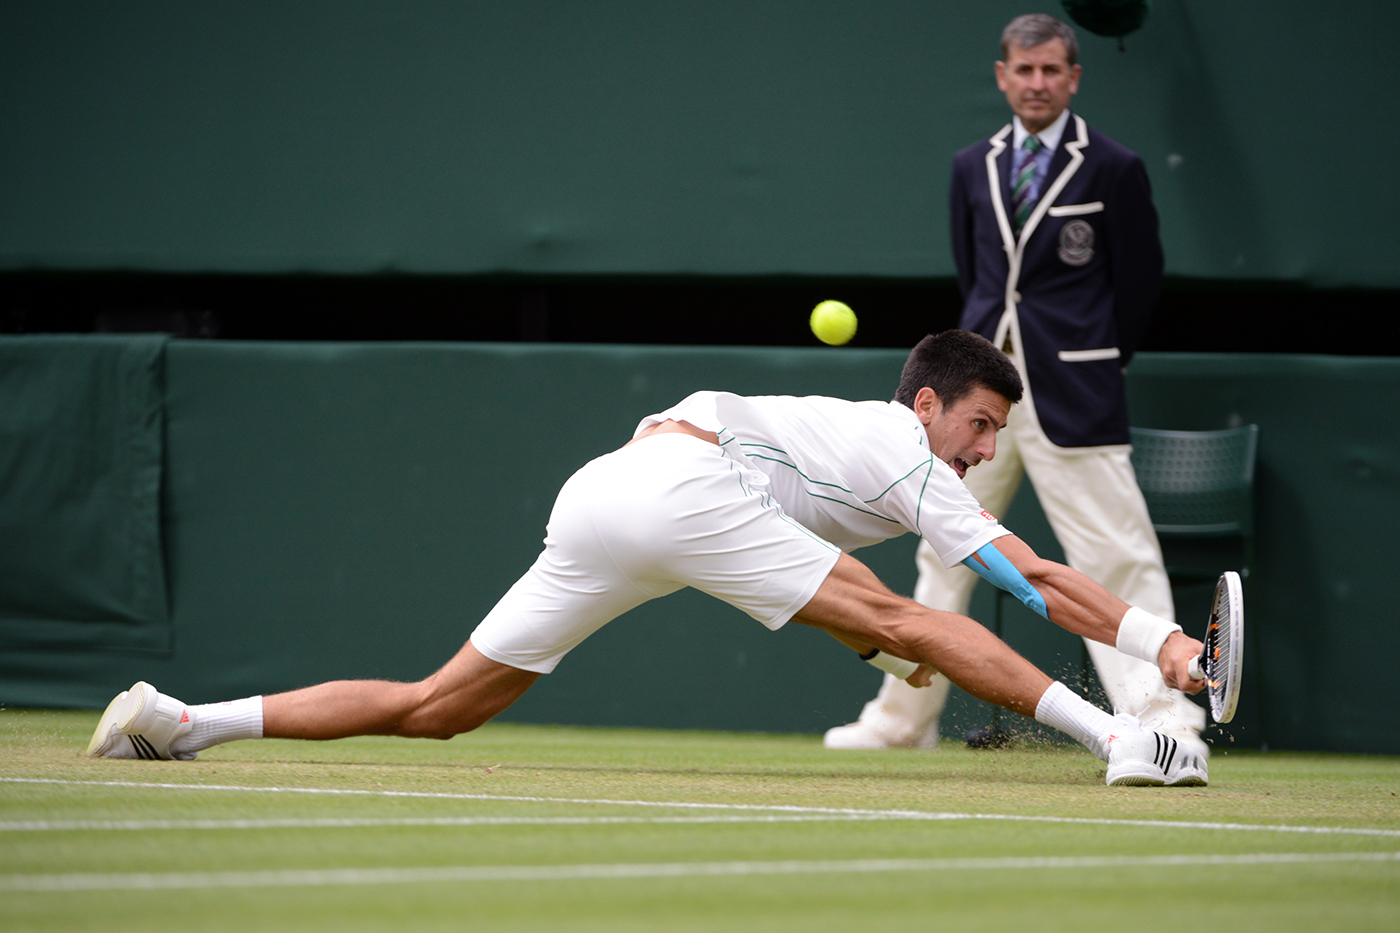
<point x="1072" y="600"/>
<point x="1076" y="603"/>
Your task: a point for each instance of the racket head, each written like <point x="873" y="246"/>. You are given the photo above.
<point x="1223" y="658"/>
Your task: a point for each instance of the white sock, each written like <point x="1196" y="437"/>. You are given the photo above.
<point x="215" y="723"/>
<point x="1081" y="720"/>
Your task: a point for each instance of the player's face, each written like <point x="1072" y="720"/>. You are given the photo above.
<point x="1038" y="82"/>
<point x="964" y="434"/>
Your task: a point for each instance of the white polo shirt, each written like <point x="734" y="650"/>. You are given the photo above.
<point x="854" y="473"/>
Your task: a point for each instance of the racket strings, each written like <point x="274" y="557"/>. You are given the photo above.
<point x="1220" y="662"/>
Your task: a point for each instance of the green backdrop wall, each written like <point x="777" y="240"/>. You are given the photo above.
<point x="346" y="510"/>
<point x="727" y="137"/>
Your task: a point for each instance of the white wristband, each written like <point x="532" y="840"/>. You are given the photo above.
<point x="1141" y="634"/>
<point x="892" y="665"/>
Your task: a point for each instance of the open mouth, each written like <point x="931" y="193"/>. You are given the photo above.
<point x="960" y="466"/>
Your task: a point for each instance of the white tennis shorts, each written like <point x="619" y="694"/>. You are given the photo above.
<point x="664" y="512"/>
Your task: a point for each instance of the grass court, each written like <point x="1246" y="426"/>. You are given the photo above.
<point x="534" y="827"/>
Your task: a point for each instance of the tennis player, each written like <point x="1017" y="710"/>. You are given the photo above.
<point x="756" y="501"/>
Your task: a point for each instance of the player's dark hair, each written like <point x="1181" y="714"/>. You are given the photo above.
<point x="1035" y="28"/>
<point x="953" y="364"/>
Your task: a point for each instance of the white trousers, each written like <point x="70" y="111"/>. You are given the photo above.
<point x="1092" y="500"/>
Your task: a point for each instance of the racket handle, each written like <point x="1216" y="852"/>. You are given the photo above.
<point x="1195" y="670"/>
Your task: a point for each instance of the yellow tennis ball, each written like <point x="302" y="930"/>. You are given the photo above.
<point x="834" y="322"/>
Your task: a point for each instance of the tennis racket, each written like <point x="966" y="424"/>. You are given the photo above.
<point x="1221" y="663"/>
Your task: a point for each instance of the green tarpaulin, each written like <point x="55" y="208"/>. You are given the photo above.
<point x="81" y="563"/>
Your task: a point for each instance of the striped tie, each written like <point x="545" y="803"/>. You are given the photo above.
<point x="1021" y="202"/>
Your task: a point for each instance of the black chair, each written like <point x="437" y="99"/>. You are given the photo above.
<point x="1199" y="487"/>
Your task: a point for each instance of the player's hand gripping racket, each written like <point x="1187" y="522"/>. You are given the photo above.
<point x="1221" y="663"/>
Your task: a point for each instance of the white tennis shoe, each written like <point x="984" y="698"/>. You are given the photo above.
<point x="1188" y="768"/>
<point x="876" y="732"/>
<point x="1151" y="759"/>
<point x="141" y="723"/>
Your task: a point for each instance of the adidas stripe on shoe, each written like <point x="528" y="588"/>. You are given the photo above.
<point x="141" y="723"/>
<point x="1151" y="759"/>
<point x="1187" y="769"/>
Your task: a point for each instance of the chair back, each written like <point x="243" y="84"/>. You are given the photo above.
<point x="1198" y="483"/>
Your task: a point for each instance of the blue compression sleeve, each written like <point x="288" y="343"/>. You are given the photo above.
<point x="1002" y="573"/>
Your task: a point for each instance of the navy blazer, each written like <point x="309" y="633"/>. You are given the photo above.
<point x="1074" y="292"/>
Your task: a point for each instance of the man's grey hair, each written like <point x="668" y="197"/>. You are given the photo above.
<point x="1035" y="28"/>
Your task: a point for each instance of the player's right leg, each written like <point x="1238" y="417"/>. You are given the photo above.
<point x="852" y="603"/>
<point x="1099" y="517"/>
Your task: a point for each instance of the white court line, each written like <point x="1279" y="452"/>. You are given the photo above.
<point x="146" y="881"/>
<point x="833" y="813"/>
<point x="42" y="826"/>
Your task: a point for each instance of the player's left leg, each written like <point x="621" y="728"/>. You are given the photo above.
<point x="630" y="526"/>
<point x="572" y="589"/>
<point x="466" y="692"/>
